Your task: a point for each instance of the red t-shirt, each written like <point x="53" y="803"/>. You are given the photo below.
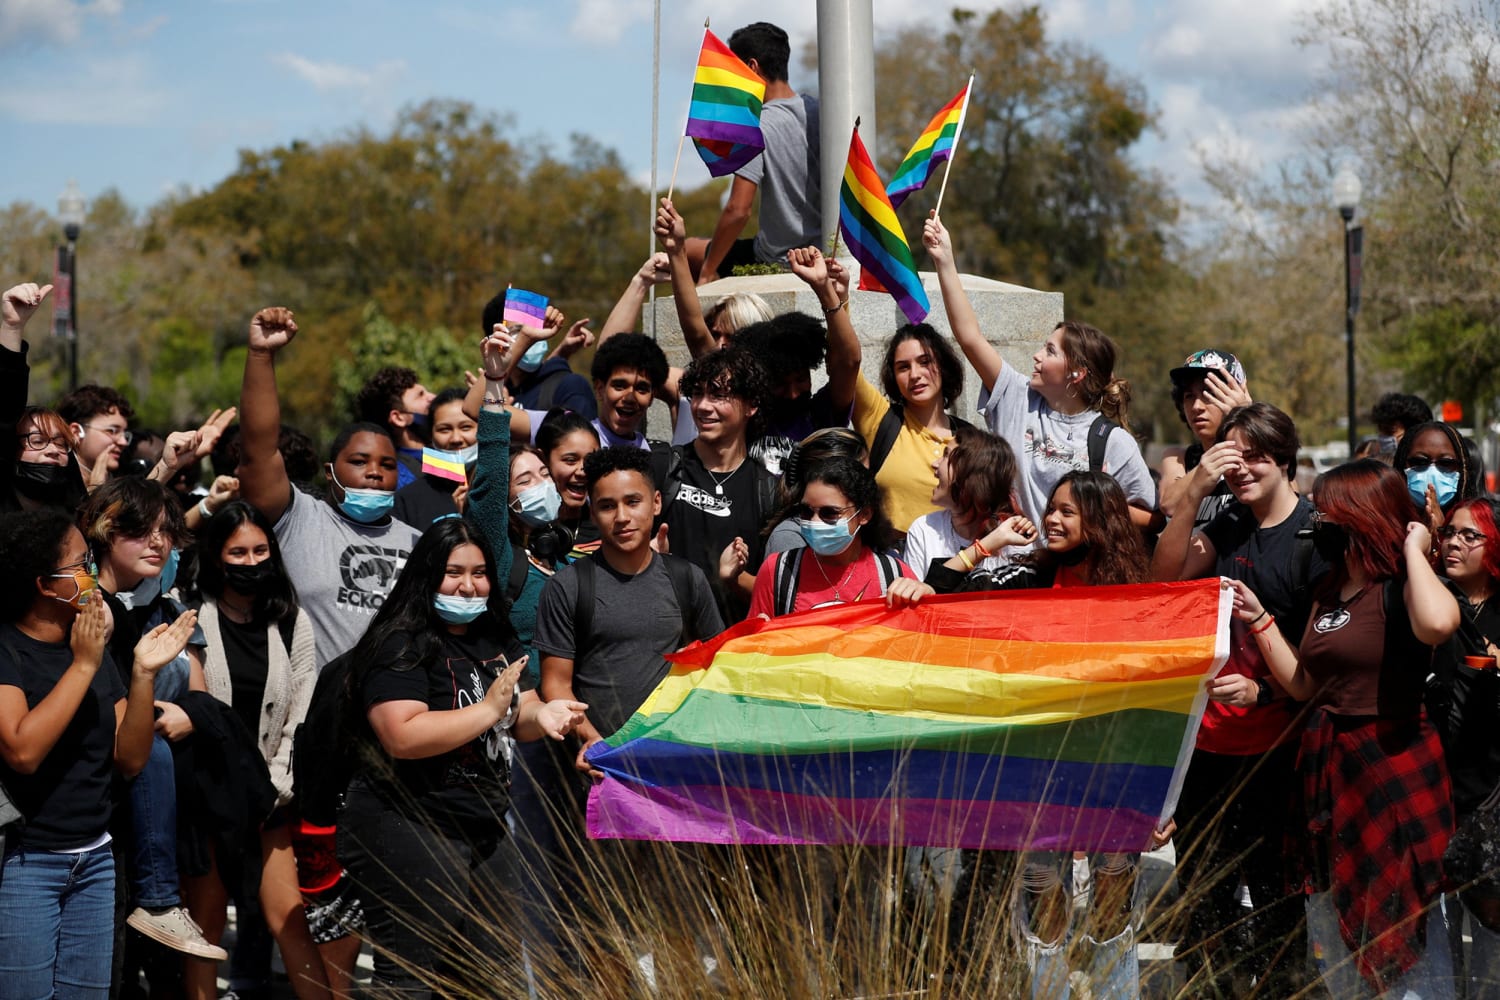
<point x="817" y="587"/>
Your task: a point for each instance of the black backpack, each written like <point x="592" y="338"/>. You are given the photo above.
<point x="784" y="594"/>
<point x="325" y="749"/>
<point x="890" y="429"/>
<point x="678" y="569"/>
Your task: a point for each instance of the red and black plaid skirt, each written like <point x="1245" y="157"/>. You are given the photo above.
<point x="1376" y="816"/>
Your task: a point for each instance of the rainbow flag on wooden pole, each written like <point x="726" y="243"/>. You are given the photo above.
<point x="874" y="235"/>
<point x="724" y="116"/>
<point x="1049" y="719"/>
<point x="933" y="146"/>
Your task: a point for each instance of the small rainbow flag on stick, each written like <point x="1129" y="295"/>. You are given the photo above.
<point x="526" y="308"/>
<point x="1052" y="719"/>
<point x="443" y="464"/>
<point x="874" y="235"/>
<point x="932" y="147"/>
<point x="724" y="118"/>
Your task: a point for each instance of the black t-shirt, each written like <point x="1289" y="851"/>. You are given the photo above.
<point x="1270" y="561"/>
<point x="464" y="790"/>
<point x="709" y="511"/>
<point x="66" y="801"/>
<point x="1464" y="704"/>
<point x="246" y="651"/>
<point x="424" y="500"/>
<point x="788" y="423"/>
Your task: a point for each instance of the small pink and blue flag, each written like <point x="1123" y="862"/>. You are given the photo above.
<point x="525" y="308"/>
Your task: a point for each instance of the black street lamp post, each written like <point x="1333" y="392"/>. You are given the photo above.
<point x="70" y="206"/>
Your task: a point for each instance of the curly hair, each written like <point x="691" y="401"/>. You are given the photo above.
<point x="130" y="507"/>
<point x="1116" y="551"/>
<point x="950" y="368"/>
<point x="730" y="371"/>
<point x="1087" y="348"/>
<point x="89" y="401"/>
<point x="633" y="351"/>
<point x="1400" y="409"/>
<point x="30" y="546"/>
<point x="381" y="394"/>
<point x="791" y="344"/>
<point x="607" y="461"/>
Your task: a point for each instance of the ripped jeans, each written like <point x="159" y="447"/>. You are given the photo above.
<point x="1062" y="944"/>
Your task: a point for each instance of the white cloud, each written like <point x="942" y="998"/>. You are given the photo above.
<point x="326" y="76"/>
<point x="606" y="21"/>
<point x="57" y="22"/>
<point x="103" y="90"/>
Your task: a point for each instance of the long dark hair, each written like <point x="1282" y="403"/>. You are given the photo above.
<point x="1468" y="482"/>
<point x="408" y="607"/>
<point x="1116" y="552"/>
<point x="950" y="368"/>
<point x="277" y="601"/>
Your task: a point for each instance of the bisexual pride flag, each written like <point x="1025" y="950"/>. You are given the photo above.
<point x="1056" y="719"/>
<point x="724" y="117"/>
<point x="525" y="308"/>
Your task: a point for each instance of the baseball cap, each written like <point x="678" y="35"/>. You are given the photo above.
<point x="1209" y="359"/>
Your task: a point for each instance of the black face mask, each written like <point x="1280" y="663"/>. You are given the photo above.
<point x="41" y="481"/>
<point x="1330" y="541"/>
<point x="252" y="581"/>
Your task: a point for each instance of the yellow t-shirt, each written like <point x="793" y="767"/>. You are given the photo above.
<point x="907" y="475"/>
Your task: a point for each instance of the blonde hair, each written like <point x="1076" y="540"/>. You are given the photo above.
<point x="739" y="309"/>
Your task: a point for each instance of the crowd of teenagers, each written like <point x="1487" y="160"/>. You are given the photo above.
<point x="328" y="691"/>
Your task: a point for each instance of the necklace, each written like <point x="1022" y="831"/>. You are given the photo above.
<point x="236" y="613"/>
<point x="719" y="483"/>
<point x="837" y="596"/>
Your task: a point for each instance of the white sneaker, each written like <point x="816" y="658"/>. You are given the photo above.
<point x="175" y="929"/>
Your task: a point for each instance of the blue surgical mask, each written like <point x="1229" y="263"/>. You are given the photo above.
<point x="169" y="570"/>
<point x="1445" y="483"/>
<point x="457" y="610"/>
<point x="538" y="505"/>
<point x="364" y="506"/>
<point x="534" y="356"/>
<point x="827" y="539"/>
<point x="1387" y="443"/>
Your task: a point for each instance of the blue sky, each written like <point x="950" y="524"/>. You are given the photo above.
<point x="149" y="96"/>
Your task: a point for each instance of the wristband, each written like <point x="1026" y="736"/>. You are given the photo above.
<point x="1263" y="693"/>
<point x="1263" y="628"/>
<point x="203" y="509"/>
<point x="829" y="311"/>
<point x="984" y="553"/>
<point x="1263" y="613"/>
<point x="963" y="557"/>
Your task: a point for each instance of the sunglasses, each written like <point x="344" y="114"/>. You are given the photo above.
<point x="1419" y="463"/>
<point x="828" y="515"/>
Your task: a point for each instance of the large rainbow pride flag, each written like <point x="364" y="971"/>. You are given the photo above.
<point x="1048" y="719"/>
<point x="875" y="237"/>
<point x="724" y="116"/>
<point x="932" y="147"/>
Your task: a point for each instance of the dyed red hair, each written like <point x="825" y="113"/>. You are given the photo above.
<point x="1370" y="501"/>
<point x="1483" y="513"/>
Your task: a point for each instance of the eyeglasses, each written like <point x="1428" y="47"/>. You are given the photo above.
<point x="120" y="434"/>
<point x="828" y="515"/>
<point x="36" y="440"/>
<point x="1321" y="520"/>
<point x="1419" y="463"/>
<point x="87" y="564"/>
<point x="1468" y="536"/>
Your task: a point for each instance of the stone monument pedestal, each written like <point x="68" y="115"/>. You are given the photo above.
<point x="1014" y="318"/>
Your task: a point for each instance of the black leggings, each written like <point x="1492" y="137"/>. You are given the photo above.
<point x="422" y="891"/>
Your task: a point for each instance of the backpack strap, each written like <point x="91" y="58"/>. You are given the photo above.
<point x="1099" y="432"/>
<point x="680" y="572"/>
<point x="885" y="437"/>
<point x="784" y="594"/>
<point x="520" y="568"/>
<point x="889" y="571"/>
<point x="666" y="466"/>
<point x="287" y="627"/>
<point x="583" y="606"/>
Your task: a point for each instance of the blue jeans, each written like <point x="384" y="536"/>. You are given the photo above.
<point x="56" y="924"/>
<point x="153" y="830"/>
